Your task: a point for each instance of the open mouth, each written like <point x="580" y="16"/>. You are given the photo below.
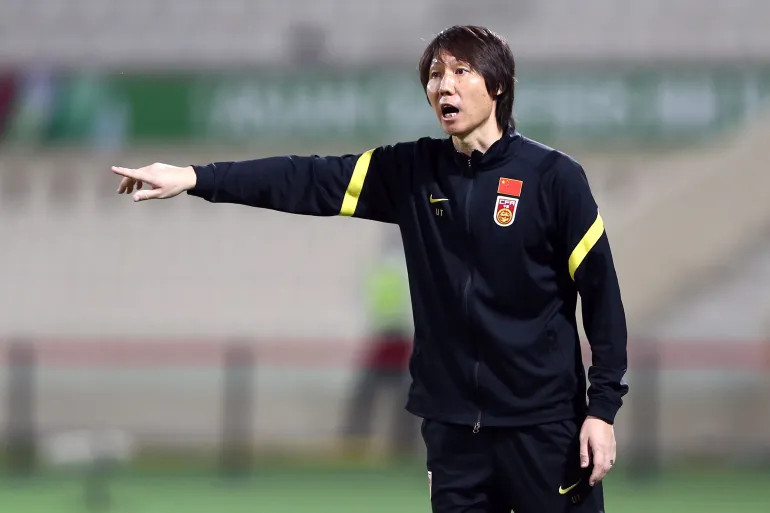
<point x="449" y="111"/>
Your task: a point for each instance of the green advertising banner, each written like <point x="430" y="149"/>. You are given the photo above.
<point x="592" y="105"/>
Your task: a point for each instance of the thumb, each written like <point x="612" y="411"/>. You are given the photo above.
<point x="147" y="194"/>
<point x="584" y="459"/>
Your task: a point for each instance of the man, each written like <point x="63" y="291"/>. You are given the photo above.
<point x="500" y="234"/>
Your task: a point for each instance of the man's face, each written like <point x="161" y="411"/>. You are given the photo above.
<point x="458" y="95"/>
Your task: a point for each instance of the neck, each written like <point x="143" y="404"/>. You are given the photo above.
<point x="479" y="139"/>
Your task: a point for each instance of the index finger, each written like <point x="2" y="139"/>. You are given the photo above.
<point x="136" y="174"/>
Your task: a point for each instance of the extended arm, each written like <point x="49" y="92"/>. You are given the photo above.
<point x="362" y="185"/>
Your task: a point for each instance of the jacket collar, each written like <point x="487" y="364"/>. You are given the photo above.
<point x="500" y="151"/>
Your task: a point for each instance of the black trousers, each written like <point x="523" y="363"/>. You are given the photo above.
<point x="533" y="469"/>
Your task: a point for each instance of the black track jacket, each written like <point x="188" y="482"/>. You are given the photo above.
<point x="498" y="245"/>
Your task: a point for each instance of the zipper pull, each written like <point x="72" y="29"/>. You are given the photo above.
<point x="477" y="427"/>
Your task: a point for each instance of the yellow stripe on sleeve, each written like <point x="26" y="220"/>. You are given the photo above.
<point x="350" y="201"/>
<point x="591" y="237"/>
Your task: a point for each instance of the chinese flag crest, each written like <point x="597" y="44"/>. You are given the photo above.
<point x="510" y="187"/>
<point x="505" y="210"/>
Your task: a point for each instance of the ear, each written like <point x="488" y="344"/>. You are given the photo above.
<point x="499" y="90"/>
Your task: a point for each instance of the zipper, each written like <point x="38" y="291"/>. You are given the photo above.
<point x="466" y="292"/>
<point x="477" y="425"/>
<point x="468" y="227"/>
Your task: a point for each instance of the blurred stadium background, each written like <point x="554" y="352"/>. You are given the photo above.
<point x="183" y="356"/>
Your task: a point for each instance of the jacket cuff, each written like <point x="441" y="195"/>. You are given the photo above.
<point x="604" y="410"/>
<point x="204" y="184"/>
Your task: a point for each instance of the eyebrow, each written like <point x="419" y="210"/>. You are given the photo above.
<point x="457" y="62"/>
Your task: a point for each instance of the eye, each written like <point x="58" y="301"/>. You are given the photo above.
<point x="462" y="71"/>
<point x="434" y="74"/>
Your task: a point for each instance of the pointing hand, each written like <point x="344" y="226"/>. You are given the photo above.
<point x="165" y="181"/>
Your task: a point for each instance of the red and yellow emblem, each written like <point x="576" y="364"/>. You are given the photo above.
<point x="505" y="210"/>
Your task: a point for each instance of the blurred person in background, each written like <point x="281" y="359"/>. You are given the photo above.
<point x="7" y="93"/>
<point x="500" y="234"/>
<point x="383" y="372"/>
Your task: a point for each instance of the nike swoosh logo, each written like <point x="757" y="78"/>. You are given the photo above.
<point x="436" y="200"/>
<point x="563" y="491"/>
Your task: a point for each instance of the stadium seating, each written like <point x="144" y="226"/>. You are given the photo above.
<point x="185" y="33"/>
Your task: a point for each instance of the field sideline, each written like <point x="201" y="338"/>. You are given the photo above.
<point x="355" y="490"/>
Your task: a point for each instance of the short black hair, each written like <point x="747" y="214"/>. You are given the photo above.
<point x="487" y="53"/>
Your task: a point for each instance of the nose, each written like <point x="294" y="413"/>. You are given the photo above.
<point x="447" y="85"/>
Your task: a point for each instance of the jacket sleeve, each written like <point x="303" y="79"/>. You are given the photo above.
<point x="363" y="185"/>
<point x="590" y="265"/>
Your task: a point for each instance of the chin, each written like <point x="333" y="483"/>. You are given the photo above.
<point x="454" y="129"/>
